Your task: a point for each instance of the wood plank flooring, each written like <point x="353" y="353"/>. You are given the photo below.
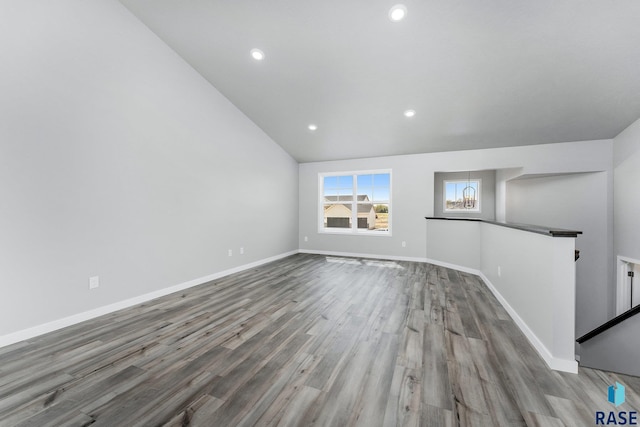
<point x="305" y="341"/>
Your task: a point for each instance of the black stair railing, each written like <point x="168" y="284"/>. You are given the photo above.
<point x="610" y="324"/>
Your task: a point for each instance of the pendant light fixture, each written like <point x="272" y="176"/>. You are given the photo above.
<point x="469" y="195"/>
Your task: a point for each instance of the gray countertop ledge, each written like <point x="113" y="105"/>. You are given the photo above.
<point x="547" y="231"/>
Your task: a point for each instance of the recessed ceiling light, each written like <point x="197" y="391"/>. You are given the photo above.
<point x="312" y="127"/>
<point x="257" y="54"/>
<point x="397" y="12"/>
<point x="410" y="113"/>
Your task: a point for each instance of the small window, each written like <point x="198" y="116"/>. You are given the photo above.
<point x="355" y="202"/>
<point x="462" y="195"/>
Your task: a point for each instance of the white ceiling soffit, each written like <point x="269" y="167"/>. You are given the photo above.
<point x="478" y="74"/>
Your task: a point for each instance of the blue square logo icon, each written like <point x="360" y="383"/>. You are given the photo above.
<point x="616" y="394"/>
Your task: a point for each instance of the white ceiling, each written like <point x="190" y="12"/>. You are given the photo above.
<point x="479" y="73"/>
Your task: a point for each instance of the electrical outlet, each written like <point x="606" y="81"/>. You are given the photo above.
<point x="404" y="244"/>
<point x="94" y="282"/>
<point x="230" y="252"/>
<point x="499" y="272"/>
<point x="306" y="239"/>
<point x="241" y="251"/>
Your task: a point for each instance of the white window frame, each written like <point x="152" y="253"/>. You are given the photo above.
<point x="354" y="212"/>
<point x="479" y="195"/>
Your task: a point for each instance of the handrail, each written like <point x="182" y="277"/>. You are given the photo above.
<point x="610" y="324"/>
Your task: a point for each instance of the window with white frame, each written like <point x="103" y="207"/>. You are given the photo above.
<point x="462" y="195"/>
<point x="358" y="202"/>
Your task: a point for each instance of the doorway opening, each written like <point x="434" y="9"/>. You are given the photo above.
<point x="628" y="286"/>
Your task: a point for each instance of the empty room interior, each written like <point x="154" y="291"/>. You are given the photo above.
<point x="356" y="213"/>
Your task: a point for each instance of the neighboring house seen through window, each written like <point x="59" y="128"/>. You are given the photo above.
<point x="355" y="202"/>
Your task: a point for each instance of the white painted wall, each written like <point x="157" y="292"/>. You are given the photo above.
<point x="532" y="275"/>
<point x="579" y="202"/>
<point x="413" y="189"/>
<point x="525" y="262"/>
<point x="117" y="159"/>
<point x="627" y="192"/>
<point x="616" y="349"/>
<point x="455" y="242"/>
<point x="502" y="177"/>
<point x="537" y="280"/>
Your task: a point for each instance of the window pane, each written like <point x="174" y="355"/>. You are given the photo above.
<point x="380" y="194"/>
<point x="330" y="182"/>
<point x="366" y="216"/>
<point x="337" y="215"/>
<point x="365" y="181"/>
<point x="373" y="217"/>
<point x="382" y="180"/>
<point x="374" y="186"/>
<point x="330" y="192"/>
<point x="462" y="196"/>
<point x="345" y="181"/>
<point x="346" y="195"/>
<point x="365" y="193"/>
<point x="382" y="217"/>
<point x="338" y="198"/>
<point x="338" y="186"/>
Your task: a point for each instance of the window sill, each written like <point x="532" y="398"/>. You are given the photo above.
<point x="356" y="233"/>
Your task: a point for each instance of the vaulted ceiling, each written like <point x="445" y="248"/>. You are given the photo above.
<point x="477" y="73"/>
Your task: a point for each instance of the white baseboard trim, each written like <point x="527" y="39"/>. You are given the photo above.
<point x="554" y="363"/>
<point x="360" y="255"/>
<point x="454" y="266"/>
<point x="35" y="331"/>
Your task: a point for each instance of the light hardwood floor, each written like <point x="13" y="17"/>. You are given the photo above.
<point x="307" y="340"/>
